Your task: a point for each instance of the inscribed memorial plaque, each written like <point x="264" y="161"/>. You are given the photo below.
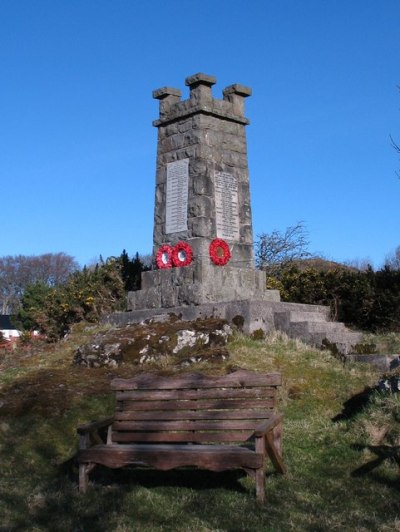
<point x="177" y="196"/>
<point x="226" y="206"/>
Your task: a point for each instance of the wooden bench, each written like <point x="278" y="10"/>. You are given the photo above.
<point x="214" y="423"/>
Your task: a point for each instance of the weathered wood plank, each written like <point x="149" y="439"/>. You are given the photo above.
<point x="212" y="404"/>
<point x="277" y="432"/>
<point x="187" y="415"/>
<point x="235" y="380"/>
<point x="218" y="425"/>
<point x="94" y="425"/>
<point x="268" y="424"/>
<point x="191" y="394"/>
<point x="273" y="453"/>
<point x="212" y="457"/>
<point x="260" y="485"/>
<point x="190" y="437"/>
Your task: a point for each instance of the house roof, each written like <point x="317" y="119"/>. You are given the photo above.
<point x="5" y="323"/>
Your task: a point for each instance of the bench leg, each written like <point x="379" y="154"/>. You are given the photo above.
<point x="260" y="485"/>
<point x="274" y="455"/>
<point x="84" y="477"/>
<point x="277" y="432"/>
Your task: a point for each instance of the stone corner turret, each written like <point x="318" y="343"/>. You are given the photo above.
<point x="201" y="100"/>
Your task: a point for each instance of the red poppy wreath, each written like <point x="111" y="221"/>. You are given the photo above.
<point x="164" y="257"/>
<point x="182" y="254"/>
<point x="219" y="251"/>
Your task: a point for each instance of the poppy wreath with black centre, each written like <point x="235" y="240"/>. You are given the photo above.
<point x="219" y="252"/>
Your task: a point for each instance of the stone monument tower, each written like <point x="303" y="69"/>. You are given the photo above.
<point x="203" y="237"/>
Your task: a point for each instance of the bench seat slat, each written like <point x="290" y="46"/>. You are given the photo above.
<point x="212" y="457"/>
<point x="193" y="437"/>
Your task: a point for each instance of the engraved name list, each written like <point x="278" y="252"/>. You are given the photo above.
<point x="177" y="196"/>
<point x="226" y="206"/>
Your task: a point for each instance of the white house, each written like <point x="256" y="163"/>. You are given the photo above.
<point x="7" y="329"/>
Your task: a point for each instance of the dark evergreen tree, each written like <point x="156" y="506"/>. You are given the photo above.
<point x="131" y="271"/>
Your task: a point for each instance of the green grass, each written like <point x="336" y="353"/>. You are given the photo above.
<point x="329" y="484"/>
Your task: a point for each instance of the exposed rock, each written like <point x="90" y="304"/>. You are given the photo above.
<point x="187" y="342"/>
<point x="383" y="362"/>
<point x="389" y="384"/>
<point x="390" y="381"/>
<point x="212" y="355"/>
<point x="96" y="354"/>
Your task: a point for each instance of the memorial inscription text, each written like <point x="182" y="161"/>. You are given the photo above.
<point x="226" y="206"/>
<point x="177" y="196"/>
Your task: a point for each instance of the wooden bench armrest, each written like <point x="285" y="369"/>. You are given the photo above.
<point x="94" y="425"/>
<point x="267" y="425"/>
<point x="266" y="441"/>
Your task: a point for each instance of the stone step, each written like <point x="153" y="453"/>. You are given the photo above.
<point x="301" y="315"/>
<point x="303" y="307"/>
<point x="286" y="318"/>
<point x="327" y="327"/>
<point x="311" y="325"/>
<point x="343" y="342"/>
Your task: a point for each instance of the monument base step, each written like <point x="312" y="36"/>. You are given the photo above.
<point x="309" y="323"/>
<point x="313" y="327"/>
<point x="198" y="284"/>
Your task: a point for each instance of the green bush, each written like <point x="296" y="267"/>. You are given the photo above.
<point x="87" y="295"/>
<point x="367" y="300"/>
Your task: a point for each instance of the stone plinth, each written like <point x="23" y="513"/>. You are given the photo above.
<point x="199" y="284"/>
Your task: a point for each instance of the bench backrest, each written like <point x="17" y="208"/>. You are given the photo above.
<point x="192" y="408"/>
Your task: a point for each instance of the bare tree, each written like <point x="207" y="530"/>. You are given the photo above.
<point x="361" y="265"/>
<point x="393" y="259"/>
<point x="18" y="272"/>
<point x="147" y="260"/>
<point x="276" y="250"/>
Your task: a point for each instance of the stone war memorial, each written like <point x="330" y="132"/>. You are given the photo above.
<point x="203" y="235"/>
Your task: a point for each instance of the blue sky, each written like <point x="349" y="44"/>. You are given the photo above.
<point x="77" y="146"/>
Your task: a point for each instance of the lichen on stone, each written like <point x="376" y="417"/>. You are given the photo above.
<point x="149" y="342"/>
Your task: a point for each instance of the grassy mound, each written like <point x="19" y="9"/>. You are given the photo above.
<point x="341" y="446"/>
